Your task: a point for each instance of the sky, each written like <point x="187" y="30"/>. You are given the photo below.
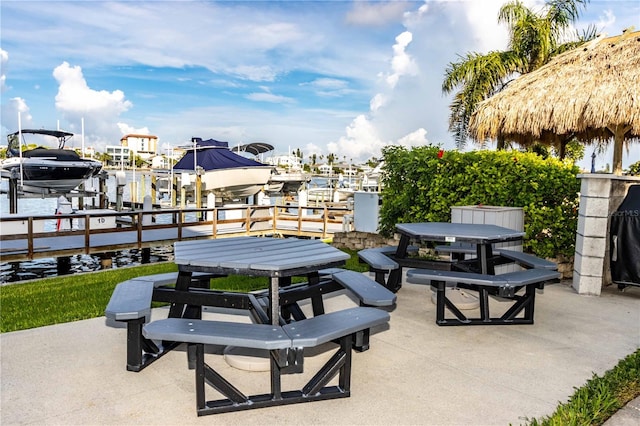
<point x="341" y="77"/>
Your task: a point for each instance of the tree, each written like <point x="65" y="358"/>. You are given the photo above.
<point x="104" y="158"/>
<point x="534" y="38"/>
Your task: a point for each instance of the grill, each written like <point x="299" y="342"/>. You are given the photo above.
<point x="625" y="240"/>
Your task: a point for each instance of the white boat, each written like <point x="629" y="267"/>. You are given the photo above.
<point x="46" y="170"/>
<point x="286" y="182"/>
<point x="224" y="173"/>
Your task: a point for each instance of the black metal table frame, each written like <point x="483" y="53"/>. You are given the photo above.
<point x="187" y="301"/>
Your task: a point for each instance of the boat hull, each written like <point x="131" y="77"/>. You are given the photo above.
<point x="46" y="176"/>
<point x="235" y="183"/>
<point x="287" y="183"/>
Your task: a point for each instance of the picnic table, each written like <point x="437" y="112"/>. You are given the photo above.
<point x="278" y="323"/>
<point x="476" y="273"/>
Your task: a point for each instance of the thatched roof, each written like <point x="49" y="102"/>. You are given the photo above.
<point x="590" y="92"/>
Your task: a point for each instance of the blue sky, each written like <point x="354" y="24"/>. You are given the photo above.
<point x="326" y="76"/>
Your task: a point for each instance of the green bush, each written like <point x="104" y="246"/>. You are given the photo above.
<point x="418" y="186"/>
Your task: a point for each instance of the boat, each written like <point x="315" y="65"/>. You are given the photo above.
<point x="223" y="173"/>
<point x="287" y="182"/>
<point x="46" y="170"/>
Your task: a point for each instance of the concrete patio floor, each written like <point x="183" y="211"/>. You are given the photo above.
<point x="415" y="372"/>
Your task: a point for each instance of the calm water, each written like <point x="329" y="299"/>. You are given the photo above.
<point x="47" y="267"/>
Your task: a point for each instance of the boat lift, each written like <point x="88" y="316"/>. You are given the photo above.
<point x="16" y="191"/>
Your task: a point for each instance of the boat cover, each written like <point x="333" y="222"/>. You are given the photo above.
<point x="625" y="240"/>
<point x="212" y="155"/>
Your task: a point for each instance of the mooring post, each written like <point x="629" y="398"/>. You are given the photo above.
<point x="198" y="190"/>
<point x="64" y="265"/>
<point x="102" y="184"/>
<point x="154" y="187"/>
<point x="121" y="181"/>
<point x="174" y="190"/>
<point x="105" y="260"/>
<point x="146" y="255"/>
<point x="13" y="191"/>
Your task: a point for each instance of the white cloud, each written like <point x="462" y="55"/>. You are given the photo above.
<point x="311" y="149"/>
<point x="401" y="63"/>
<point x="76" y="101"/>
<point x="416" y="138"/>
<point x="376" y="13"/>
<point x="10" y="112"/>
<point x="377" y="102"/>
<point x="329" y="87"/>
<point x="361" y="140"/>
<point x="410" y="102"/>
<point x="126" y="129"/>
<point x="269" y="97"/>
<point x="254" y="73"/>
<point x="4" y="58"/>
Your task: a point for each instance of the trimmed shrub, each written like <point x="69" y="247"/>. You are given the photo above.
<point x="422" y="184"/>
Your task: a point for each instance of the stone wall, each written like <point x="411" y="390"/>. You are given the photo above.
<point x="356" y="240"/>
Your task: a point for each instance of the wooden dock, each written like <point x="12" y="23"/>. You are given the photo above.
<point x="103" y="231"/>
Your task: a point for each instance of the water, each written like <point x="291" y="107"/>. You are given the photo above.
<point x="47" y="267"/>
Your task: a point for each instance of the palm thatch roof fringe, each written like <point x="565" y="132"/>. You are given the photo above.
<point x="590" y="92"/>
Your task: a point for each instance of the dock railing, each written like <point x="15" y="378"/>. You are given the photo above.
<point x="100" y="231"/>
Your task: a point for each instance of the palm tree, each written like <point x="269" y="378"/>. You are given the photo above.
<point x="534" y="38"/>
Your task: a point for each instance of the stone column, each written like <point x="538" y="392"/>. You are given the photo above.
<point x="600" y="194"/>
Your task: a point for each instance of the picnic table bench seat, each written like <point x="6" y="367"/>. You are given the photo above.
<point x="368" y="291"/>
<point x="380" y="261"/>
<point x="527" y="260"/>
<point x="505" y="286"/>
<point x="130" y="303"/>
<point x="285" y="343"/>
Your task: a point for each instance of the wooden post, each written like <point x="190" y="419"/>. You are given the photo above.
<point x="105" y="260"/>
<point x="198" y="195"/>
<point x="174" y="193"/>
<point x="81" y="199"/>
<point x="153" y="187"/>
<point x="102" y="185"/>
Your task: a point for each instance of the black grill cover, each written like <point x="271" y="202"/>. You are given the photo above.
<point x="625" y="240"/>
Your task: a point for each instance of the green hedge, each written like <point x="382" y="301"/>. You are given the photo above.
<point x="422" y="184"/>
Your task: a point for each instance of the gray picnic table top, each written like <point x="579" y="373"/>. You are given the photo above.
<point x="254" y="256"/>
<point x="258" y="256"/>
<point x="452" y="232"/>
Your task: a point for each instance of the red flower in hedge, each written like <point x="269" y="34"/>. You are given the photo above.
<point x="440" y="153"/>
